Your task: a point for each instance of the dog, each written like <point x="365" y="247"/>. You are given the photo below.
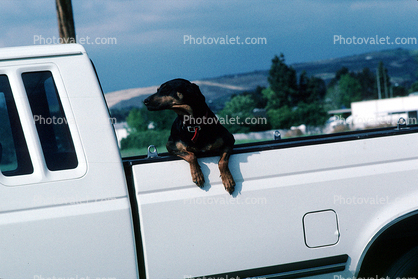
<point x="187" y="138"/>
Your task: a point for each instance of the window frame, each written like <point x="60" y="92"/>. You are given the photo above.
<point x="41" y="172"/>
<point x="21" y="153"/>
<point x="47" y="127"/>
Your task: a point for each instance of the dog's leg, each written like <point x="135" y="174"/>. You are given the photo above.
<point x="181" y="151"/>
<point x="197" y="175"/>
<point x="226" y="176"/>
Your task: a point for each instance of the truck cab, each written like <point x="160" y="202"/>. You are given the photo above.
<point x="65" y="210"/>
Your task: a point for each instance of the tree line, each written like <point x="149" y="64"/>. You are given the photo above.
<point x="292" y="100"/>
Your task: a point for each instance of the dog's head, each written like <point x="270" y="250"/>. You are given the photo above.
<point x="179" y="95"/>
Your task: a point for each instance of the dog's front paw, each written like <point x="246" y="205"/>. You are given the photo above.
<point x="228" y="182"/>
<point x="197" y="177"/>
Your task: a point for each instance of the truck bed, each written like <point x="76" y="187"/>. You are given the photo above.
<point x="296" y="210"/>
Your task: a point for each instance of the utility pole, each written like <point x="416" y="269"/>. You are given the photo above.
<point x="385" y="83"/>
<point x="65" y="21"/>
<point x="379" y="93"/>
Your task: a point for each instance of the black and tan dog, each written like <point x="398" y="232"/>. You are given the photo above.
<point x="196" y="128"/>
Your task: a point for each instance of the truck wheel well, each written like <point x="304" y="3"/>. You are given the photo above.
<point x="394" y="242"/>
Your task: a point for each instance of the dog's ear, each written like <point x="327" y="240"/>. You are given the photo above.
<point x="195" y="91"/>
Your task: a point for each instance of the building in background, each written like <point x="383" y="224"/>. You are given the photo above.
<point x="384" y="112"/>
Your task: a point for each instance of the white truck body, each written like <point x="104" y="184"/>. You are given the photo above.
<point x="315" y="207"/>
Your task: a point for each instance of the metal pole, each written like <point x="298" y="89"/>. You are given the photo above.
<point x="379" y="93"/>
<point x="386" y="84"/>
<point x="65" y="21"/>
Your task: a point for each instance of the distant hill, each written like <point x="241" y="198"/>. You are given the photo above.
<point x="402" y="67"/>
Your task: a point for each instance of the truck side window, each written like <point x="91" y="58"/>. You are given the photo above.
<point x="14" y="154"/>
<point x="51" y="123"/>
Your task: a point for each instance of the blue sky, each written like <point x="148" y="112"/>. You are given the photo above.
<point x="147" y="36"/>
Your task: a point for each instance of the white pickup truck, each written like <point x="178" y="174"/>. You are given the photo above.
<point x="330" y="206"/>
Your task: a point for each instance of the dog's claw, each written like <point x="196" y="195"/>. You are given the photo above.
<point x="198" y="178"/>
<point x="228" y="183"/>
<point x="230" y="188"/>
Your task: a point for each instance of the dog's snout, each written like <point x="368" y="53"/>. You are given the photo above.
<point x="150" y="103"/>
